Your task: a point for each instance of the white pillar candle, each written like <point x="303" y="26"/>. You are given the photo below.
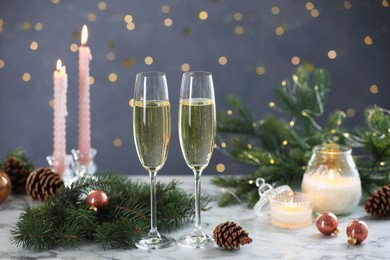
<point x="332" y="192"/>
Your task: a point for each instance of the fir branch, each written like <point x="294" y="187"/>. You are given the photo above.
<point x="65" y="221"/>
<point x="280" y="150"/>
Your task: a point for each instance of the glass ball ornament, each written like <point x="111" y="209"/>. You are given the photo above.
<point x="357" y="232"/>
<point x="327" y="223"/>
<point x="97" y="200"/>
<point x="5" y="186"/>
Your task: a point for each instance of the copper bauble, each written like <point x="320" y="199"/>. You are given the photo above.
<point x="5" y="186"/>
<point x="97" y="200"/>
<point x="357" y="232"/>
<point x="327" y="223"/>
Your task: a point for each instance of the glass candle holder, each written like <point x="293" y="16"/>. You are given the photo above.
<point x="332" y="180"/>
<point x="266" y="192"/>
<point x="291" y="210"/>
<point x="82" y="170"/>
<point x="68" y="175"/>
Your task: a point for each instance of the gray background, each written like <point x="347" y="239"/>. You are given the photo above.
<point x="27" y="119"/>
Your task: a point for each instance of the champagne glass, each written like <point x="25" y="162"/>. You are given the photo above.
<point x="197" y="130"/>
<point x="152" y="133"/>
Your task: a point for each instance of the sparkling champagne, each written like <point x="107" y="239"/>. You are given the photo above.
<point x="152" y="132"/>
<point x="197" y="130"/>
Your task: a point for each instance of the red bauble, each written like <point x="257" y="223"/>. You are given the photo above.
<point x="97" y="200"/>
<point x="327" y="223"/>
<point x="5" y="186"/>
<point x="357" y="232"/>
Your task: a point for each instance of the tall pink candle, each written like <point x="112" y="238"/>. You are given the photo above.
<point x="60" y="80"/>
<point x="84" y="144"/>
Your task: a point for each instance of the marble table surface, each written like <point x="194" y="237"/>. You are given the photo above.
<point x="269" y="242"/>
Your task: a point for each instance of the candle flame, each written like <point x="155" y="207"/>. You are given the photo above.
<point x="84" y="35"/>
<point x="59" y="64"/>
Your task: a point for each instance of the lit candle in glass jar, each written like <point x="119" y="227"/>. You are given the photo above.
<point x="291" y="210"/>
<point x="332" y="180"/>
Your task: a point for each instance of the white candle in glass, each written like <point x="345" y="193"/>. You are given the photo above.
<point x="290" y="210"/>
<point x="332" y="192"/>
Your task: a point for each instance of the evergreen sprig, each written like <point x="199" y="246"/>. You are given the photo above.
<point x="279" y="149"/>
<point x="65" y="221"/>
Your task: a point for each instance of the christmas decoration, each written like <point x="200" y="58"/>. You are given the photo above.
<point x="230" y="236"/>
<point x="280" y="149"/>
<point x="357" y="232"/>
<point x="327" y="223"/>
<point x="65" y="220"/>
<point x="378" y="204"/>
<point x="42" y="183"/>
<point x="97" y="200"/>
<point x="5" y="186"/>
<point x="17" y="166"/>
<point x="332" y="180"/>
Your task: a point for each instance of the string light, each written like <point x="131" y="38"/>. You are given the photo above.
<point x="91" y="17"/>
<point x="374" y="89"/>
<point x="185" y="67"/>
<point x="295" y="60"/>
<point x="350" y="112"/>
<point x="272" y="161"/>
<point x="131" y="102"/>
<point x="168" y="22"/>
<point x="91" y="80"/>
<point x="275" y="10"/>
<point x="102" y="6"/>
<point x="165" y="9"/>
<point x="38" y="26"/>
<point x="34" y="46"/>
<point x="26" y="76"/>
<point x="271" y="104"/>
<point x="332" y="54"/>
<point x="112" y="77"/>
<point x="260" y="70"/>
<point x="117" y="142"/>
<point x="347" y="5"/>
<point x="148" y="60"/>
<point x="110" y="56"/>
<point x="229" y="112"/>
<point x="223" y="145"/>
<point x="368" y="40"/>
<point x="220" y="167"/>
<point x="237" y="16"/>
<point x="2" y="64"/>
<point x="285" y="142"/>
<point x="309" y="6"/>
<point x="249" y="146"/>
<point x="222" y="60"/>
<point x="203" y="15"/>
<point x="73" y="47"/>
<point x="239" y="30"/>
<point x="251" y="182"/>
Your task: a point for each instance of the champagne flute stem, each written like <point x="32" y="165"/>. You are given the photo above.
<point x="197" y="230"/>
<point x="153" y="233"/>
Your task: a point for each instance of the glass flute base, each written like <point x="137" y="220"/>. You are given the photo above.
<point x="196" y="241"/>
<point x="149" y="243"/>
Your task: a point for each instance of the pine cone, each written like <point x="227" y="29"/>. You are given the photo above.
<point x="378" y="204"/>
<point x="18" y="172"/>
<point x="229" y="235"/>
<point x="42" y="183"/>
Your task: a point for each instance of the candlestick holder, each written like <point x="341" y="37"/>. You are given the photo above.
<point x="82" y="170"/>
<point x="291" y="210"/>
<point x="68" y="175"/>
